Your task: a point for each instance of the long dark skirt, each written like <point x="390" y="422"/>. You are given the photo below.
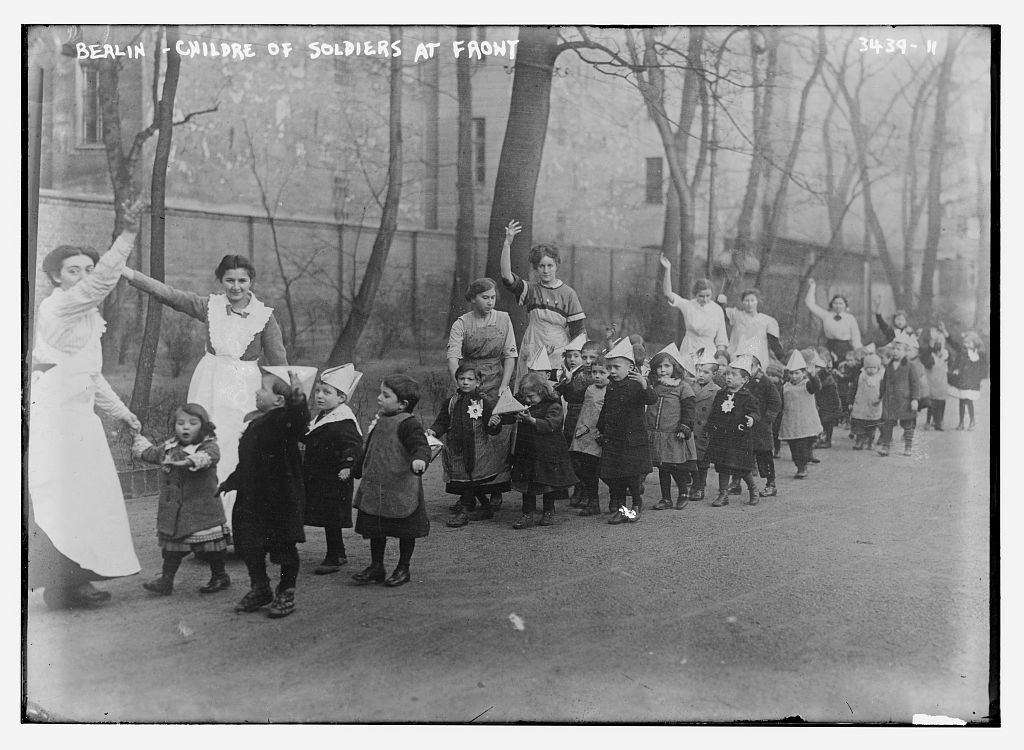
<point x="413" y="526"/>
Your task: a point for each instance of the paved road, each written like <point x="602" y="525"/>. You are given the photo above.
<point x="859" y="595"/>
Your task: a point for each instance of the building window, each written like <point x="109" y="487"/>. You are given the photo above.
<point x="480" y="150"/>
<point x="90" y="121"/>
<point x="654" y="179"/>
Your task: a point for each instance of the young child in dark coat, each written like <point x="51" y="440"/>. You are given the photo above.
<point x="769" y="404"/>
<point x="704" y="395"/>
<point x="730" y="431"/>
<point x="540" y="464"/>
<point x="333" y="444"/>
<point x="390" y="494"/>
<point x="625" y="451"/>
<point x="900" y="390"/>
<point x="826" y="398"/>
<point x="190" y="516"/>
<point x="967" y="369"/>
<point x="573" y="380"/>
<point x="585" y="451"/>
<point x="267" y="517"/>
<point x="670" y="428"/>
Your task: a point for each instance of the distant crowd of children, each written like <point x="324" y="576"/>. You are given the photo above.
<point x="610" y="415"/>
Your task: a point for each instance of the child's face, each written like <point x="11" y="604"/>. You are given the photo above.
<point x="851" y="357"/>
<point x="774" y="379"/>
<point x="388" y="402"/>
<point x="899" y="351"/>
<point x="721" y="360"/>
<point x="900" y="321"/>
<point x="531" y="397"/>
<point x="467" y="381"/>
<point x="484" y="302"/>
<point x="588" y="356"/>
<point x="600" y="375"/>
<point x="327" y="397"/>
<point x="705" y="373"/>
<point x="871" y="369"/>
<point x="734" y="379"/>
<point x="664" y="369"/>
<point x="796" y="377"/>
<point x="572" y="358"/>
<point x="266" y="399"/>
<point x="187" y="427"/>
<point x="618" y="368"/>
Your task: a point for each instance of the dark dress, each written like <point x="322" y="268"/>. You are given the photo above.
<point x="769" y="404"/>
<point x="830" y="408"/>
<point x="573" y="390"/>
<point x="271" y="494"/>
<point x="331" y="445"/>
<point x="409" y="443"/>
<point x="899" y="387"/>
<point x="730" y="441"/>
<point x="540" y="461"/>
<point x="625" y="450"/>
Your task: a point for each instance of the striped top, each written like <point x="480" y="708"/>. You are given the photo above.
<point x="555" y="304"/>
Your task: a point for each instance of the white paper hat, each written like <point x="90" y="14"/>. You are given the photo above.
<point x="622" y="348"/>
<point x="903" y="338"/>
<point x="707" y="357"/>
<point x="684" y="361"/>
<point x="306" y="375"/>
<point x="870" y="348"/>
<point x="749" y="347"/>
<point x="796" y="361"/>
<point x="507" y="404"/>
<point x="576" y="344"/>
<point x="743" y="362"/>
<point x="344" y="378"/>
<point x="541" y="361"/>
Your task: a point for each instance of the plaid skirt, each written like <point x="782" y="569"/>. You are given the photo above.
<point x="214" y="539"/>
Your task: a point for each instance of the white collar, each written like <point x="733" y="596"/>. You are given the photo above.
<point x="339" y="413"/>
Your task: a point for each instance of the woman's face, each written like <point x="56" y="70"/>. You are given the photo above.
<point x="73" y="270"/>
<point x="703" y="297"/>
<point x="547" y="269"/>
<point x="838" y="305"/>
<point x="236" y="283"/>
<point x="900" y="321"/>
<point x="749" y="303"/>
<point x="483" y="303"/>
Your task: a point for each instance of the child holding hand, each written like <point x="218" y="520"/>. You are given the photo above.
<point x="730" y="431"/>
<point x="800" y="422"/>
<point x="190" y="516"/>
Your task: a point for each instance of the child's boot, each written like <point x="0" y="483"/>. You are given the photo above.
<point x="769" y="490"/>
<point x="734" y="487"/>
<point x="721" y="500"/>
<point x="697" y="494"/>
<point x="162" y="585"/>
<point x="592" y="508"/>
<point x="858" y="444"/>
<point x="801" y="471"/>
<point x="683" y="499"/>
<point x="619" y="517"/>
<point x="283" y="604"/>
<point x="372" y="574"/>
<point x="484" y="512"/>
<point x="638" y="506"/>
<point x="752" y="497"/>
<point x="525" y="521"/>
<point x="217" y="582"/>
<point x="577" y="500"/>
<point x="664" y="504"/>
<point x="883" y="449"/>
<point x="459" y="518"/>
<point x="547" y="518"/>
<point x="258" y="596"/>
<point x="908" y="444"/>
<point x="399" y="577"/>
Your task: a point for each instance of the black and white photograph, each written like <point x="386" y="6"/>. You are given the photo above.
<point x="577" y="374"/>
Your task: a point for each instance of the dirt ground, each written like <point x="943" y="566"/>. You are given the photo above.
<point x="860" y="594"/>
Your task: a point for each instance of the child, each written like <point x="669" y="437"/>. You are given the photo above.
<point x="625" y="452"/>
<point x="470" y="461"/>
<point x="846" y="376"/>
<point x="585" y="451"/>
<point x="190" y="516"/>
<point x="540" y="464"/>
<point x="704" y="397"/>
<point x="800" y="423"/>
<point x="827" y="396"/>
<point x="969" y="368"/>
<point x="866" y="394"/>
<point x="333" y="444"/>
<point x="723" y="358"/>
<point x="769" y="405"/>
<point x="935" y="358"/>
<point x="925" y="393"/>
<point x="390" y="494"/>
<point x="900" y="389"/>
<point x="670" y="427"/>
<point x="730" y="431"/>
<point x="573" y="381"/>
<point x="267" y="515"/>
<point x="775" y="374"/>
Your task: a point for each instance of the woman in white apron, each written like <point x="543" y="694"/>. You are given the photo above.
<point x="753" y="332"/>
<point x="555" y="313"/>
<point x="79" y="525"/>
<point x="239" y="329"/>
<point x="705" y="321"/>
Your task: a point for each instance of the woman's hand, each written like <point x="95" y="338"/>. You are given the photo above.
<point x="133" y="423"/>
<point x="513" y="228"/>
<point x="345" y="474"/>
<point x="810" y="283"/>
<point x="665" y="262"/>
<point x="419" y="466"/>
<point x="722" y="299"/>
<point x="130" y="219"/>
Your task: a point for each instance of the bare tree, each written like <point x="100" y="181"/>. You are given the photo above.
<point x="344" y="349"/>
<point x="465" y="224"/>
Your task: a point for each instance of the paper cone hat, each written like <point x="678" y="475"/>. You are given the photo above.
<point x="622" y="348"/>
<point x="507" y="404"/>
<point x="870" y="348"/>
<point x="796" y="361"/>
<point x="903" y="338"/>
<point x="344" y="378"/>
<point x="707" y="357"/>
<point x="743" y="362"/>
<point x="436" y="446"/>
<point x="818" y="361"/>
<point x="541" y="361"/>
<point x="306" y="375"/>
<point x="576" y="345"/>
<point x="684" y="361"/>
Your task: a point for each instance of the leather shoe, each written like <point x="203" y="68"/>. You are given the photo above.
<point x="399" y="577"/>
<point x="372" y="574"/>
<point x="85" y="596"/>
<point x="216" y="583"/>
<point x="459" y="519"/>
<point x="160" y="585"/>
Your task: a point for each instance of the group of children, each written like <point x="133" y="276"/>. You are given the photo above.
<point x="609" y="415"/>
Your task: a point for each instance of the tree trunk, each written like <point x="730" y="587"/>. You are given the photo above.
<point x="935" y="159"/>
<point x="982" y="297"/>
<point x="362" y="306"/>
<point x="465" y="225"/>
<point x="912" y="205"/>
<point x="521" y="152"/>
<point x="151" y="331"/>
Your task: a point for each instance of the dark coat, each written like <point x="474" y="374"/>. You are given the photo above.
<point x="964" y="374"/>
<point x="573" y="390"/>
<point x="625" y="451"/>
<point x="541" y="456"/>
<point x="899" y="387"/>
<point x="188" y="499"/>
<point x="330" y="448"/>
<point x="705" y="396"/>
<point x="830" y="407"/>
<point x="730" y="441"/>
<point x="769" y="405"/>
<point x="271" y="494"/>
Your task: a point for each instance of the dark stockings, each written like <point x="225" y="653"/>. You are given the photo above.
<point x="725" y="478"/>
<point x="668" y="472"/>
<point x="405" y="550"/>
<point x="335" y="544"/>
<point x="766" y="466"/>
<point x="256" y="563"/>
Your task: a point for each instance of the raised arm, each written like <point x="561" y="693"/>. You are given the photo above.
<point x="815" y="309"/>
<point x="189" y="303"/>
<point x="666" y="278"/>
<point x="513" y="228"/>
